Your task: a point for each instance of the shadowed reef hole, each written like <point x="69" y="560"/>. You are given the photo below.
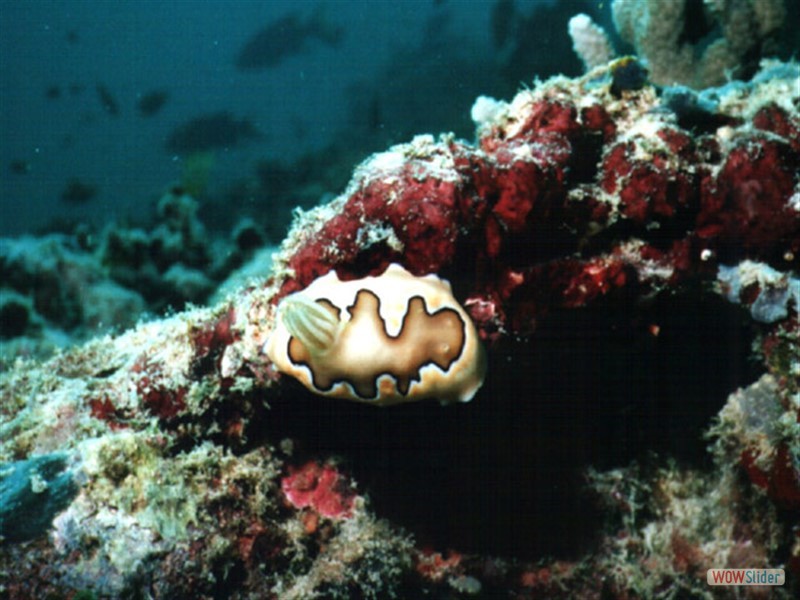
<point x="504" y="474"/>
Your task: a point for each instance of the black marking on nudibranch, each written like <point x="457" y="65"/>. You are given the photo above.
<point x="425" y="338"/>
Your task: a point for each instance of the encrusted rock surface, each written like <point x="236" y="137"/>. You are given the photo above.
<point x="577" y="194"/>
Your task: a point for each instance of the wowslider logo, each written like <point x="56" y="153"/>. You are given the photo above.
<point x="746" y="577"/>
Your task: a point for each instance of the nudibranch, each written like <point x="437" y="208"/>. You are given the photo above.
<point x="383" y="340"/>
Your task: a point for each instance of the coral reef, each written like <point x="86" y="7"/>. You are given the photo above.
<point x="699" y="44"/>
<point x="578" y="195"/>
<point x="61" y="288"/>
<point x="52" y="289"/>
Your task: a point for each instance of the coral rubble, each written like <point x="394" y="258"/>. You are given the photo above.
<point x="578" y="193"/>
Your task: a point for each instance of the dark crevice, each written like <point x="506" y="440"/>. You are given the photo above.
<point x="505" y="474"/>
<point x="587" y="153"/>
<point x="695" y="23"/>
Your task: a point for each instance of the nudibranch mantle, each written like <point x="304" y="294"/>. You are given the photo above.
<point x="383" y="340"/>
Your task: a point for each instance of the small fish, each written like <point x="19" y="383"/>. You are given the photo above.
<point x="78" y="192"/>
<point x="374" y="114"/>
<point x="107" y="100"/>
<point x="285" y="37"/>
<point x="53" y="92"/>
<point x="152" y="102"/>
<point x="502" y="22"/>
<point x="214" y="130"/>
<point x="19" y="167"/>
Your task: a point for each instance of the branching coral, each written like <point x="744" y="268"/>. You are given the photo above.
<point x="699" y="43"/>
<point x="589" y="41"/>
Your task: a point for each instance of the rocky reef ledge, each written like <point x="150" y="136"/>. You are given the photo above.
<point x="174" y="460"/>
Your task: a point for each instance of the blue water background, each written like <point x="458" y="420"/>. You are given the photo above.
<point x="188" y="48"/>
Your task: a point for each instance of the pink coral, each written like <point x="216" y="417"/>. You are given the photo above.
<point x="517" y="216"/>
<point x="321" y="488"/>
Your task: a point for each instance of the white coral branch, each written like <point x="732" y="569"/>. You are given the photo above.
<point x="589" y="41"/>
